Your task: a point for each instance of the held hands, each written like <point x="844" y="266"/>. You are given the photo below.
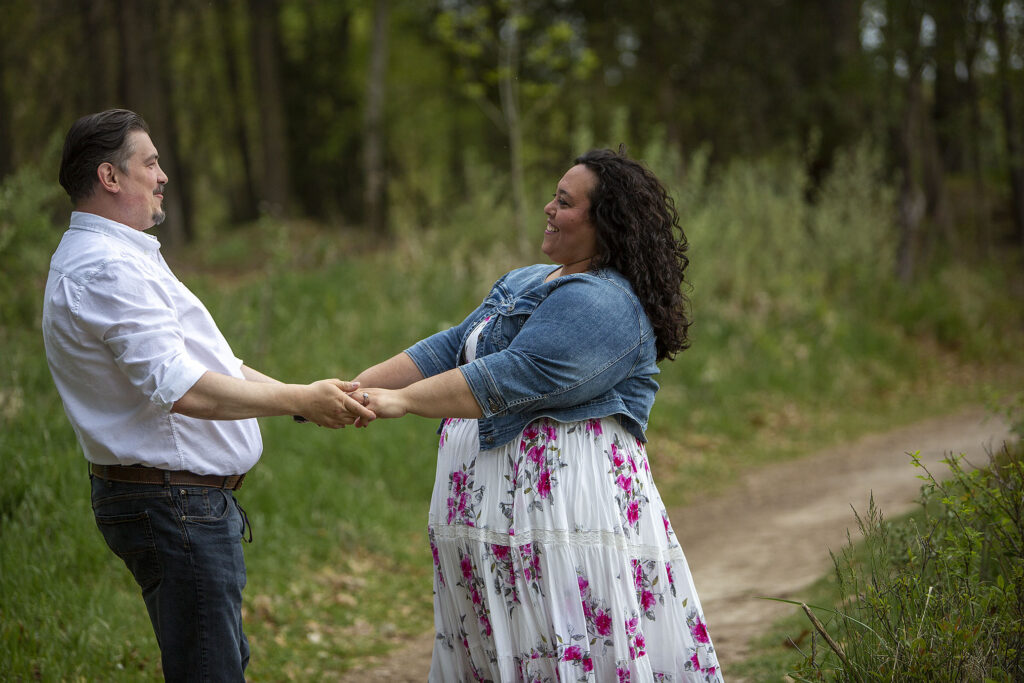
<point x="384" y="403"/>
<point x="333" y="403"/>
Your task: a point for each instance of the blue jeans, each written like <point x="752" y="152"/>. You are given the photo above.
<point x="183" y="546"/>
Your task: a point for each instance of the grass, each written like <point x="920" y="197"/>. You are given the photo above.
<point x="339" y="567"/>
<point x="935" y="595"/>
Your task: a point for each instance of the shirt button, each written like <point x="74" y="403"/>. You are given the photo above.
<point x="493" y="404"/>
<point x="490" y="439"/>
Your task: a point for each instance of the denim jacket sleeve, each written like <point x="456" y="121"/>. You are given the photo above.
<point x="440" y="352"/>
<point x="578" y="343"/>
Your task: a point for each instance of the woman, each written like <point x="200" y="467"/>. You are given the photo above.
<point x="554" y="557"/>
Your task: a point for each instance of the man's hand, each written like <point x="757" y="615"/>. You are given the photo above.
<point x="328" y="403"/>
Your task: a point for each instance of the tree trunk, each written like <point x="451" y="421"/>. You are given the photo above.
<point x="375" y="144"/>
<point x="6" y="139"/>
<point x="244" y="201"/>
<point x="274" y="186"/>
<point x="1015" y="159"/>
<point x="510" y="109"/>
<point x="144" y="91"/>
<point x="979" y="209"/>
<point x="911" y="199"/>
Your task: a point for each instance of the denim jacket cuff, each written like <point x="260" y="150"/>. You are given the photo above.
<point x="426" y="360"/>
<point x="484" y="388"/>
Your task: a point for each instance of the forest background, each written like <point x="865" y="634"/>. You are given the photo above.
<point x="347" y="177"/>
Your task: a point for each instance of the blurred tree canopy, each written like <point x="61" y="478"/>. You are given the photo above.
<point x="336" y="111"/>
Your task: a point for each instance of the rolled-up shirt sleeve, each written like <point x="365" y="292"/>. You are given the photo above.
<point x="139" y="324"/>
<point x="573" y="348"/>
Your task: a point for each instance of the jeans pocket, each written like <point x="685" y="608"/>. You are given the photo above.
<point x="131" y="538"/>
<point x="204" y="505"/>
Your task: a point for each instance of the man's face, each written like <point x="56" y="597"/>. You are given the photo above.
<point x="141" y="184"/>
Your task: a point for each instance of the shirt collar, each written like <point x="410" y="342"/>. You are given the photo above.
<point x="89" y="221"/>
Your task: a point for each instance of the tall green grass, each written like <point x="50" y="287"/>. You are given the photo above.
<point x="937" y="595"/>
<point x="801" y="339"/>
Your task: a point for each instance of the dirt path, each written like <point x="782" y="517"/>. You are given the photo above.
<point x="769" y="534"/>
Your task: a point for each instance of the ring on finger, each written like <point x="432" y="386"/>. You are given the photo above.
<point x="366" y="398"/>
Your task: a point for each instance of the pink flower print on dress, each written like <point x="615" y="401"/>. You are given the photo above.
<point x="583" y="584"/>
<point x="467" y="567"/>
<point x="623" y="674"/>
<point x="603" y="623"/>
<point x="550" y="433"/>
<point x="500" y="551"/>
<point x="536" y="455"/>
<point x="593" y="426"/>
<point x="588" y="664"/>
<point x="647" y="600"/>
<point x="437" y="559"/>
<point x="531" y="432"/>
<point x="700" y="632"/>
<point x="633" y="512"/>
<point x="638" y="574"/>
<point x="625" y="483"/>
<point x="531" y="562"/>
<point x="544" y="484"/>
<point x="617" y="459"/>
<point x="573" y="653"/>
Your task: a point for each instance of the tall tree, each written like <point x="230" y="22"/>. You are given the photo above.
<point x="244" y="202"/>
<point x="143" y="89"/>
<point x="512" y="66"/>
<point x="322" y="89"/>
<point x="375" y="142"/>
<point x="1011" y="125"/>
<point x="266" y="52"/>
<point x="6" y="136"/>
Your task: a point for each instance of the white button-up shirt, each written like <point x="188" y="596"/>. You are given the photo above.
<point x="124" y="340"/>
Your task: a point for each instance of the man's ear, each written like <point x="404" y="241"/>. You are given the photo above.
<point x="108" y="177"/>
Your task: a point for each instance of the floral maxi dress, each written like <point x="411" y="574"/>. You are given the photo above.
<point x="555" y="560"/>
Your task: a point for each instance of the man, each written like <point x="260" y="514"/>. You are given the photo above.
<point x="160" y="405"/>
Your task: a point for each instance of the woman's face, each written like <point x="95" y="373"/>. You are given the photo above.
<point x="569" y="236"/>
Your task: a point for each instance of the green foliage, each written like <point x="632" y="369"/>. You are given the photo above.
<point x="551" y="52"/>
<point x="940" y="598"/>
<point x="781" y="365"/>
<point x="30" y="203"/>
<point x="779" y="245"/>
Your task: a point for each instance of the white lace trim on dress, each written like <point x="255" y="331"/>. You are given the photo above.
<point x="579" y="539"/>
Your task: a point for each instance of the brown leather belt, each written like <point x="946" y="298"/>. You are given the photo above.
<point x="151" y="475"/>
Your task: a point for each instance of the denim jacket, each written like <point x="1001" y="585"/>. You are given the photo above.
<point x="575" y="348"/>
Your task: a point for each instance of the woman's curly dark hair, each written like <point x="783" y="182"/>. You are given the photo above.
<point x="638" y="234"/>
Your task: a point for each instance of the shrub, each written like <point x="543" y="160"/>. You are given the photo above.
<point x="30" y="201"/>
<point x="941" y="597"/>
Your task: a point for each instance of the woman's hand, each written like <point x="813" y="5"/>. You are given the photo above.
<point x="444" y="395"/>
<point x="383" y="403"/>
